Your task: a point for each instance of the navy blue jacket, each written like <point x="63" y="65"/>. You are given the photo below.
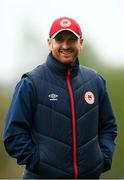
<point x="60" y="123"/>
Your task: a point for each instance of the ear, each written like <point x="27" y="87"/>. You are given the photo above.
<point x="49" y="42"/>
<point x="81" y="42"/>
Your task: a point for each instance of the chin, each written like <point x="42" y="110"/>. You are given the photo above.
<point x="67" y="61"/>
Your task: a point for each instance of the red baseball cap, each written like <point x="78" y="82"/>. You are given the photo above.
<point x="65" y="23"/>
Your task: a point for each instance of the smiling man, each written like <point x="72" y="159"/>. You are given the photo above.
<point x="65" y="46"/>
<point x="60" y="123"/>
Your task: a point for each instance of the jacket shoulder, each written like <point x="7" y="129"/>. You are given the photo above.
<point x="88" y="73"/>
<point x="37" y="74"/>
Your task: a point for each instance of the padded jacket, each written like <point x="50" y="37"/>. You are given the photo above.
<point x="60" y="123"/>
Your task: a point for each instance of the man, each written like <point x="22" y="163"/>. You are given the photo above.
<point x="60" y="123"/>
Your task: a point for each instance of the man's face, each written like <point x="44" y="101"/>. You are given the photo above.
<point x="65" y="47"/>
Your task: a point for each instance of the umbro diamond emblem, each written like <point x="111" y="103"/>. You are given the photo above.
<point x="53" y="97"/>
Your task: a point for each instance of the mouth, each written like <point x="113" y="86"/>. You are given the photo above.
<point x="66" y="53"/>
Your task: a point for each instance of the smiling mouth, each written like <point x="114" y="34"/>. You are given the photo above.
<point x="66" y="52"/>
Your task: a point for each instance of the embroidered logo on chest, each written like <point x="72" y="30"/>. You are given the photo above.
<point x="53" y="97"/>
<point x="89" y="97"/>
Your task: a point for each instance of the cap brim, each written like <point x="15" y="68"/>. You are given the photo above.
<point x="66" y="29"/>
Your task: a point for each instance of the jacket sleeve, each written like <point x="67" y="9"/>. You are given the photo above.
<point x="107" y="125"/>
<point x="17" y="133"/>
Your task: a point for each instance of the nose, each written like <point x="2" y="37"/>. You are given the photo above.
<point x="65" y="45"/>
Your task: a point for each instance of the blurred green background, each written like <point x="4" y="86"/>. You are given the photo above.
<point x="115" y="84"/>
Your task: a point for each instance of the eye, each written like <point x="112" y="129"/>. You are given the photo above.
<point x="73" y="39"/>
<point x="59" y="39"/>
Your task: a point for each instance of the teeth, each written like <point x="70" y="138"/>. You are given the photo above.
<point x="66" y="52"/>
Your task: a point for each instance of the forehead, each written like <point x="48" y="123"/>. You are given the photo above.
<point x="66" y="33"/>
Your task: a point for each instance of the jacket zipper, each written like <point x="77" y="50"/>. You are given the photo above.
<point x="74" y="133"/>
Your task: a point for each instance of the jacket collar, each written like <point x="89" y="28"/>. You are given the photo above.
<point x="59" y="68"/>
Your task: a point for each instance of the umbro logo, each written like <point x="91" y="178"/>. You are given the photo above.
<point x="53" y="97"/>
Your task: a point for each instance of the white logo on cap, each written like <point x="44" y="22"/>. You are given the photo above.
<point x="89" y="97"/>
<point x="65" y="23"/>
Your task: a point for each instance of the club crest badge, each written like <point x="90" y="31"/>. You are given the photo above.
<point x="65" y="23"/>
<point x="89" y="97"/>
